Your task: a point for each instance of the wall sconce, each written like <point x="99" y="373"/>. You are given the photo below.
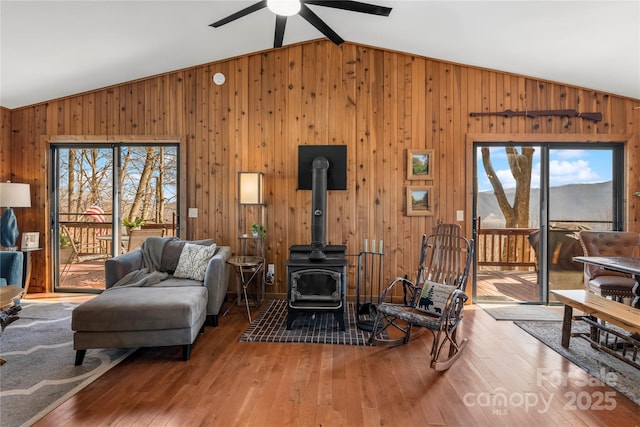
<point x="12" y="195"/>
<point x="250" y="188"/>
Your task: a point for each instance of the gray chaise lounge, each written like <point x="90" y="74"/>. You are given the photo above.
<point x="170" y="312"/>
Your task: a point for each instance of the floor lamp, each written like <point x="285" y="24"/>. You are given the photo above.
<point x="12" y="195"/>
<point x="250" y="192"/>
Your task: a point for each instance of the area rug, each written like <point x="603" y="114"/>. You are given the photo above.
<point x="621" y="376"/>
<point x="39" y="373"/>
<point x="321" y="328"/>
<point x="513" y="312"/>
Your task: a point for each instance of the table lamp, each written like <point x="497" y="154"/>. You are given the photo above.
<point x="12" y="195"/>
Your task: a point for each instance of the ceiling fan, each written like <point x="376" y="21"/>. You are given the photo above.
<point x="285" y="8"/>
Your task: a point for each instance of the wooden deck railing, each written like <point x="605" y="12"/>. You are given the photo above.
<point x="94" y="237"/>
<point x="505" y="247"/>
<point x="496" y="247"/>
<point x="86" y="235"/>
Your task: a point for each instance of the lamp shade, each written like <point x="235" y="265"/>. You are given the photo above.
<point x="250" y="188"/>
<point x="13" y="195"/>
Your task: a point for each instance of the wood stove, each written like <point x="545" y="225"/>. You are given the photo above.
<point x="316" y="286"/>
<point x="316" y="273"/>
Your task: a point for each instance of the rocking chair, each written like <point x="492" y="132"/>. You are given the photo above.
<point x="434" y="301"/>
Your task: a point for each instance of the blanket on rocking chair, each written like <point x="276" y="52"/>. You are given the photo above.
<point x="150" y="273"/>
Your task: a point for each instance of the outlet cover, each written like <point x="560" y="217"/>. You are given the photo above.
<point x="193" y="212"/>
<point x="459" y="215"/>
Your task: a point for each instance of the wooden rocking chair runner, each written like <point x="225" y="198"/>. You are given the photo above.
<point x="435" y="300"/>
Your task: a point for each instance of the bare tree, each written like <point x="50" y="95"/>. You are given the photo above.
<point x="125" y="165"/>
<point x="97" y="167"/>
<point x="140" y="200"/>
<point x="84" y="177"/>
<point x="516" y="215"/>
<point x="147" y="184"/>
<point x="520" y="164"/>
<point x="71" y="179"/>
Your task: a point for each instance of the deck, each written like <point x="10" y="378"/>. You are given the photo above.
<point x="93" y="237"/>
<point x="86" y="275"/>
<point x="521" y="286"/>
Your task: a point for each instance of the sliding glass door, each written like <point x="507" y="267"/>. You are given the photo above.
<point x="99" y="193"/>
<point x="585" y="193"/>
<point x="530" y="202"/>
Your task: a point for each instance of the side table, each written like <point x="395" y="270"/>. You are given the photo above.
<point x="247" y="269"/>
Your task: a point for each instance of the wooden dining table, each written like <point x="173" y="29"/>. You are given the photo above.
<point x="629" y="265"/>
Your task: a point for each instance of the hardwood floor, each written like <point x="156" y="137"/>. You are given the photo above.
<point x="229" y="383"/>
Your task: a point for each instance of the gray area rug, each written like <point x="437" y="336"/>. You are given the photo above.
<point x="321" y="328"/>
<point x="40" y="374"/>
<point x="513" y="312"/>
<point x="621" y="376"/>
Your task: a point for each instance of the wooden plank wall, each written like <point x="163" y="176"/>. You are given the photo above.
<point x="379" y="103"/>
<point x="5" y="138"/>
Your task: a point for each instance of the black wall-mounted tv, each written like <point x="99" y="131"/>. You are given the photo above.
<point x="337" y="172"/>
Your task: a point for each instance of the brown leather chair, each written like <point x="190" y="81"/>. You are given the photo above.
<point x="609" y="243"/>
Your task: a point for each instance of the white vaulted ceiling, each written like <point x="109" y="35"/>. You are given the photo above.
<point x="51" y="49"/>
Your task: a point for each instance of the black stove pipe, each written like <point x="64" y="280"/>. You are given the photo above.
<point x="319" y="170"/>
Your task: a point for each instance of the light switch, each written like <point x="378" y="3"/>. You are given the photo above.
<point x="193" y="212"/>
<point x="459" y="215"/>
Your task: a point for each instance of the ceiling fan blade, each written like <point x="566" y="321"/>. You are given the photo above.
<point x="354" y="6"/>
<point x="239" y="14"/>
<point x="314" y="20"/>
<point x="281" y="22"/>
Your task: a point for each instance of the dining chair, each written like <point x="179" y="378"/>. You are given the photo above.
<point x="603" y="282"/>
<point x="136" y="237"/>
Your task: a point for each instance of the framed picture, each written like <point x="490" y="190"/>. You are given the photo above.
<point x="30" y="240"/>
<point x="419" y="200"/>
<point x="420" y="164"/>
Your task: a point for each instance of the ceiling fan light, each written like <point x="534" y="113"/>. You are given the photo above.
<point x="284" y="7"/>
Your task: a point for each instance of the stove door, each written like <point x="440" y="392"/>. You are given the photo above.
<point x="314" y="284"/>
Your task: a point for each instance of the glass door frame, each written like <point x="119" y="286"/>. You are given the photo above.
<point x="618" y="180"/>
<point x="116" y="147"/>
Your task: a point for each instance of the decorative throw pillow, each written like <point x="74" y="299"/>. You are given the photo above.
<point x="434" y="297"/>
<point x="172" y="250"/>
<point x="193" y="261"/>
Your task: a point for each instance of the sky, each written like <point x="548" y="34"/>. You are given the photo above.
<point x="566" y="167"/>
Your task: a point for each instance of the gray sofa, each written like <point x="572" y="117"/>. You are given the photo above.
<point x="170" y="312"/>
<point x="216" y="278"/>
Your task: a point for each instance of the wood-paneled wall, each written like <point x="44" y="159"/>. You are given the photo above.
<point x="379" y="103"/>
<point x="5" y="139"/>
